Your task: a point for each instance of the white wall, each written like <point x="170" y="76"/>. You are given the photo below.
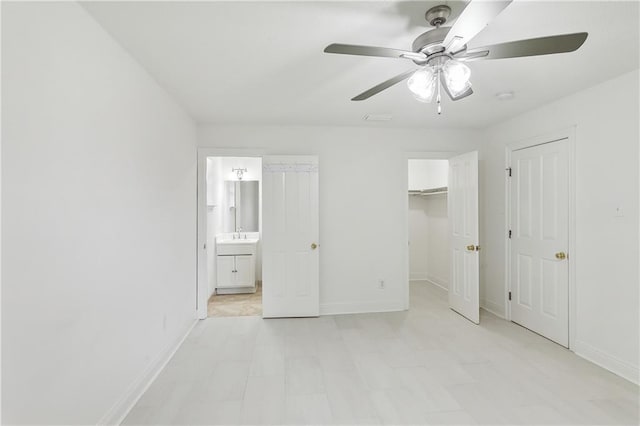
<point x="438" y="241"/>
<point x="428" y="174"/>
<point x="363" y="196"/>
<point x="606" y="254"/>
<point x="429" y="239"/>
<point x="418" y="238"/>
<point x="98" y="210"/>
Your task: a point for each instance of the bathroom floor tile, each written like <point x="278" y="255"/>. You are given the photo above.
<point x="236" y="305"/>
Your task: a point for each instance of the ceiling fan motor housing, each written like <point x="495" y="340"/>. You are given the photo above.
<point x="430" y="42"/>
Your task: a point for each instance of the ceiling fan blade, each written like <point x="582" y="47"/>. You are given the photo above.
<point x="382" y="86"/>
<point x="473" y="19"/>
<point x="462" y="95"/>
<point x="529" y="47"/>
<point x="384" y="52"/>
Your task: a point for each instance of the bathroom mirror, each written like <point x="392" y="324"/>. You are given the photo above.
<point x="243" y="205"/>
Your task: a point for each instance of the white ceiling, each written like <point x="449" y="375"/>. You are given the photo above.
<point x="263" y="62"/>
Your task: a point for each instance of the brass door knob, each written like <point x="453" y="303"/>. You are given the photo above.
<point x="561" y="255"/>
<point x="314" y="246"/>
<point x="471" y="247"/>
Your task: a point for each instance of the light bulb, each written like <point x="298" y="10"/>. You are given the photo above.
<point x="422" y="84"/>
<point x="456" y="76"/>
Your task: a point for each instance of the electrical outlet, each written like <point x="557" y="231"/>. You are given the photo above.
<point x="381" y="284"/>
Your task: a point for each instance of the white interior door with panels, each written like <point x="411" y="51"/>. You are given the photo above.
<point x="290" y="268"/>
<point x="539" y="269"/>
<point x="464" y="287"/>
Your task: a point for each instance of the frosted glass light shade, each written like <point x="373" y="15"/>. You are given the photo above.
<point x="456" y="77"/>
<point x="426" y="99"/>
<point x="422" y="84"/>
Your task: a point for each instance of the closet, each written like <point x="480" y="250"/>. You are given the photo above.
<point x="428" y="222"/>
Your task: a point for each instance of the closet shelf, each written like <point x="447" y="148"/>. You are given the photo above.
<point x="432" y="191"/>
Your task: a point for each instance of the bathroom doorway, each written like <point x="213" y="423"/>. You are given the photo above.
<point x="233" y="218"/>
<point x="428" y="227"/>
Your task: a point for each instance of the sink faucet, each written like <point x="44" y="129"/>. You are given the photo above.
<point x="238" y="231"/>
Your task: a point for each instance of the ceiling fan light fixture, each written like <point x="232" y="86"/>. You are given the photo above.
<point x="457" y="92"/>
<point x="423" y="84"/>
<point x="456" y="77"/>
<point x="442" y="51"/>
<point x="425" y="100"/>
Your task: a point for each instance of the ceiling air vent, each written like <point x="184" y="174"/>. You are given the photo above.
<point x="505" y="96"/>
<point x="377" y="117"/>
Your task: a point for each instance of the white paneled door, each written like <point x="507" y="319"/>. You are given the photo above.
<point x="464" y="286"/>
<point x="539" y="239"/>
<point x="290" y="274"/>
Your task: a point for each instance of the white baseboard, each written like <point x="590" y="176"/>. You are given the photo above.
<point x="361" y="307"/>
<point x="121" y="408"/>
<point x="607" y="361"/>
<point x="443" y="284"/>
<point x="435" y="281"/>
<point x="492" y="307"/>
<point x="417" y="277"/>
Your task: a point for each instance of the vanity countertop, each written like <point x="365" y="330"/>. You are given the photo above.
<point x="236" y="247"/>
<point x="237" y="241"/>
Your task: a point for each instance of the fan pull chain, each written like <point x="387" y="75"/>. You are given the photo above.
<point x="438" y="97"/>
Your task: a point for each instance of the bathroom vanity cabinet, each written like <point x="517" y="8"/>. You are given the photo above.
<point x="236" y="271"/>
<point x="236" y="266"/>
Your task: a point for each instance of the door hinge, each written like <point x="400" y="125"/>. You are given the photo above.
<point x="509" y="295"/>
<point x="509" y="233"/>
<point x="509" y="170"/>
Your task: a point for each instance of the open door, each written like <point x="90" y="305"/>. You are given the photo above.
<point x="290" y="272"/>
<point x="464" y="287"/>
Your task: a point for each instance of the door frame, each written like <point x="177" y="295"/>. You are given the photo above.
<point x="570" y="135"/>
<point x="201" y="215"/>
<point x="415" y="155"/>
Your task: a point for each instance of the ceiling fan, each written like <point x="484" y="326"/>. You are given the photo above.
<point x="441" y="52"/>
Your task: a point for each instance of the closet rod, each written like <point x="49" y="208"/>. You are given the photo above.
<point x="432" y="191"/>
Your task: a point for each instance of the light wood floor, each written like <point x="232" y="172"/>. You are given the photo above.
<point x="236" y="305"/>
<point x="424" y="366"/>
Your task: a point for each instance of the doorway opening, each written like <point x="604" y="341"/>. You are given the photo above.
<point x="442" y="233"/>
<point x="233" y="236"/>
<point x="428" y="226"/>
